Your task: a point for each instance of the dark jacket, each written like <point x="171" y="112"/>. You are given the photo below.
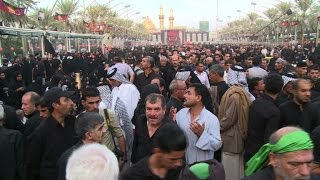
<point x="32" y="123"/>
<point x="173" y="102"/>
<point x="47" y="144"/>
<point x="311" y="117"/>
<point x="264" y="119"/>
<point x="291" y="114"/>
<point x="11" y="154"/>
<point x="63" y="160"/>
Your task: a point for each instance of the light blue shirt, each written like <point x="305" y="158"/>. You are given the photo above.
<point x="200" y="148"/>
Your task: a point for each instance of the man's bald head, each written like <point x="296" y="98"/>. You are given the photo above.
<point x="276" y="136"/>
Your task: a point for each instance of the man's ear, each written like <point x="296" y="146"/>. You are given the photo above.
<point x="199" y="98"/>
<point x="54" y="104"/>
<point x="88" y="136"/>
<point x="274" y="161"/>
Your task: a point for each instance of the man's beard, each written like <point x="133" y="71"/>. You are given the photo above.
<point x="280" y="172"/>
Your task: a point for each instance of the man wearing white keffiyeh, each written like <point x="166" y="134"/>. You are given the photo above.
<point x="121" y="86"/>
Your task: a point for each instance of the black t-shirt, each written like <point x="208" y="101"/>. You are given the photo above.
<point x="141" y="171"/>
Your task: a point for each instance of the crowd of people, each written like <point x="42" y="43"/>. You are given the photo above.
<point x="184" y="112"/>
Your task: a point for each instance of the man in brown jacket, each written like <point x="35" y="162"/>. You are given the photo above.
<point x="233" y="115"/>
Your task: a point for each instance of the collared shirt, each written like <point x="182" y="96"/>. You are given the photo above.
<point x="203" y="77"/>
<point x="122" y="117"/>
<point x="142" y="171"/>
<point x="200" y="148"/>
<point x="116" y="129"/>
<point x="47" y="144"/>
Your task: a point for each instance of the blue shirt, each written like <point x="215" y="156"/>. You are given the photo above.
<point x="200" y="148"/>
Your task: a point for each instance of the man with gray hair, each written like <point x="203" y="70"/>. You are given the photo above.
<point x="177" y="90"/>
<point x="218" y="87"/>
<point x="92" y="161"/>
<point x="89" y="127"/>
<point x="148" y="74"/>
<point x="29" y="102"/>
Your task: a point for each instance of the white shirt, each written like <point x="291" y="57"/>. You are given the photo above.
<point x="203" y="77"/>
<point x="200" y="148"/>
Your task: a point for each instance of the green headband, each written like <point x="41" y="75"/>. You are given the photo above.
<point x="294" y="141"/>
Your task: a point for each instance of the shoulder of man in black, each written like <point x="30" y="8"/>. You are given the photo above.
<point x="263" y="174"/>
<point x="32" y="124"/>
<point x="140" y="171"/>
<point x="264" y="103"/>
<point x="63" y="160"/>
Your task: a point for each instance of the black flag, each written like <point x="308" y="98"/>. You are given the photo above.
<point x="48" y="46"/>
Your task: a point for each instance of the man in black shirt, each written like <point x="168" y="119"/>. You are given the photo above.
<point x="52" y="137"/>
<point x="291" y="112"/>
<point x="167" y="158"/>
<point x="29" y="101"/>
<point x="177" y="89"/>
<point x="219" y="86"/>
<point x="264" y="116"/>
<point x="147" y="126"/>
<point x="148" y="74"/>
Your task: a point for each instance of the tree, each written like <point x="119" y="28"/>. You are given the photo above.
<point x="47" y="22"/>
<point x="304" y="6"/>
<point x="68" y="7"/>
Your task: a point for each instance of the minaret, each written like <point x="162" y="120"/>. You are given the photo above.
<point x="171" y="18"/>
<point x="161" y="18"/>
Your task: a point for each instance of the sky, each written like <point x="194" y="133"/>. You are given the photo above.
<point x="186" y="12"/>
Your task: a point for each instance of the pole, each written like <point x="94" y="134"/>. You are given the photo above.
<point x="42" y="46"/>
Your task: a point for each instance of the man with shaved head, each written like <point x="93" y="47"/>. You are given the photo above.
<point x="287" y="156"/>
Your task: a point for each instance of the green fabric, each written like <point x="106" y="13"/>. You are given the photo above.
<point x="294" y="141"/>
<point x="201" y="170"/>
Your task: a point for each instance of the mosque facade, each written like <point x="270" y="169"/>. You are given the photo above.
<point x="174" y="35"/>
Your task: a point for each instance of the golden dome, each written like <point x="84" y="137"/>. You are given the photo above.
<point x="147" y="22"/>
